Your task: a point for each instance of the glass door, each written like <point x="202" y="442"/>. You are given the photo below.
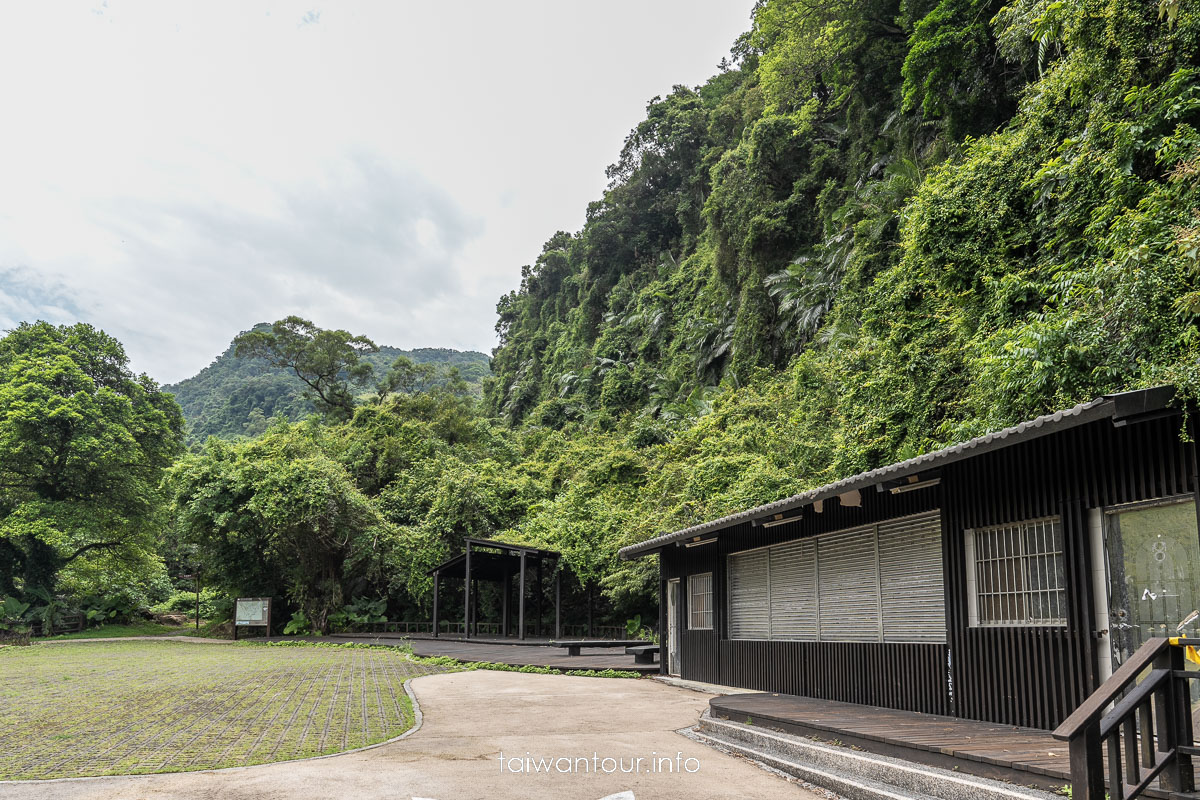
<point x="1154" y="572"/>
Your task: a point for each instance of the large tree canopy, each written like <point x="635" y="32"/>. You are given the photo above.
<point x="278" y="517"/>
<point x="328" y="361"/>
<point x="83" y="444"/>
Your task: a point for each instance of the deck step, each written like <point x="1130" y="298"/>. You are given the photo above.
<point x="846" y="786"/>
<point x="854" y="774"/>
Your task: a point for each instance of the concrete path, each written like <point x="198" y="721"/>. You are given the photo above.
<point x="470" y="719"/>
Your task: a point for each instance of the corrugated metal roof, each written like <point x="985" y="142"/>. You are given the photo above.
<point x="1100" y="408"/>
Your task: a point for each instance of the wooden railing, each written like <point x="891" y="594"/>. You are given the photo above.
<point x="486" y="629"/>
<point x="1141" y="717"/>
<point x="63" y="623"/>
<point x="597" y="632"/>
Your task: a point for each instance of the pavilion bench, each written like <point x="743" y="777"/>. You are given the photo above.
<point x="642" y="653"/>
<point x="574" y="645"/>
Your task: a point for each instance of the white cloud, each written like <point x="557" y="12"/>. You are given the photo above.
<point x="176" y="173"/>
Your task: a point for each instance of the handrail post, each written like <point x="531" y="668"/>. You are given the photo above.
<point x="1181" y="705"/>
<point x="1087" y="764"/>
<point x="1166" y="720"/>
<point x="1156" y="698"/>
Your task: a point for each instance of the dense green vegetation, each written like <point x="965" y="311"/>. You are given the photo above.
<point x="931" y="217"/>
<point x="882" y="227"/>
<point x="238" y="396"/>
<point x="83" y="446"/>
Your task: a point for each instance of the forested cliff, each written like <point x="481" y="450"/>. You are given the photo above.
<point x="921" y="219"/>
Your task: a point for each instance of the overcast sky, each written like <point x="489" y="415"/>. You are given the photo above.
<point x="176" y="173"/>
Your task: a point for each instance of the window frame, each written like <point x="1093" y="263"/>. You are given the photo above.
<point x="692" y="611"/>
<point x="976" y="611"/>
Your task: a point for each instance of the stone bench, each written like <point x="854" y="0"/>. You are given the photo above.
<point x="573" y="646"/>
<point x="642" y="653"/>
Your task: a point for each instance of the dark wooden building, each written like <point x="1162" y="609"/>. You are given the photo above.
<point x="1000" y="579"/>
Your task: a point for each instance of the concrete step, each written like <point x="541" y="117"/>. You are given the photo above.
<point x="854" y="774"/>
<point x="842" y="786"/>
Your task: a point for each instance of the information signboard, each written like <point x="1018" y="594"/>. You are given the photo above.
<point x="252" y="612"/>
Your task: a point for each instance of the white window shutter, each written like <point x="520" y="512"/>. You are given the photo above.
<point x="794" y="590"/>
<point x="911" y="582"/>
<point x="867" y="584"/>
<point x="849" y="603"/>
<point x="749" y="595"/>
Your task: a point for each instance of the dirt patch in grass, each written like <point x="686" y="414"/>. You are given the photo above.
<point x="107" y="708"/>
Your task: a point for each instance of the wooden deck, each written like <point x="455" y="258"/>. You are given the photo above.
<point x="528" y="641"/>
<point x="501" y="652"/>
<point x="521" y="655"/>
<point x="1020" y="755"/>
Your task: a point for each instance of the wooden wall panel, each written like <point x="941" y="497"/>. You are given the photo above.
<point x="1034" y="676"/>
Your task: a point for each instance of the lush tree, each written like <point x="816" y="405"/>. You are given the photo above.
<point x="277" y="516"/>
<point x="329" y="362"/>
<point x="83" y="446"/>
<point x="406" y="377"/>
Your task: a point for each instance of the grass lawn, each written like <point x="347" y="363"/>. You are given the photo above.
<point x="140" y="628"/>
<point x="122" y="707"/>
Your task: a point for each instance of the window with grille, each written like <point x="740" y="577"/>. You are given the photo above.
<point x="1016" y="575"/>
<point x="700" y="609"/>
<point x="875" y="583"/>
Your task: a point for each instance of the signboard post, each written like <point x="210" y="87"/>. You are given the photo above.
<point x="252" y="612"/>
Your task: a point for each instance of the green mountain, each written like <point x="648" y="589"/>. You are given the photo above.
<point x="238" y="396"/>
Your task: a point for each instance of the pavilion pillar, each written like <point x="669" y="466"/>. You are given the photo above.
<point x="589" y="609"/>
<point x="541" y="590"/>
<point x="504" y="604"/>
<point x="436" y="582"/>
<point x="475" y="607"/>
<point x="467" y="594"/>
<point x="557" y="603"/>
<point x="521" y="601"/>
